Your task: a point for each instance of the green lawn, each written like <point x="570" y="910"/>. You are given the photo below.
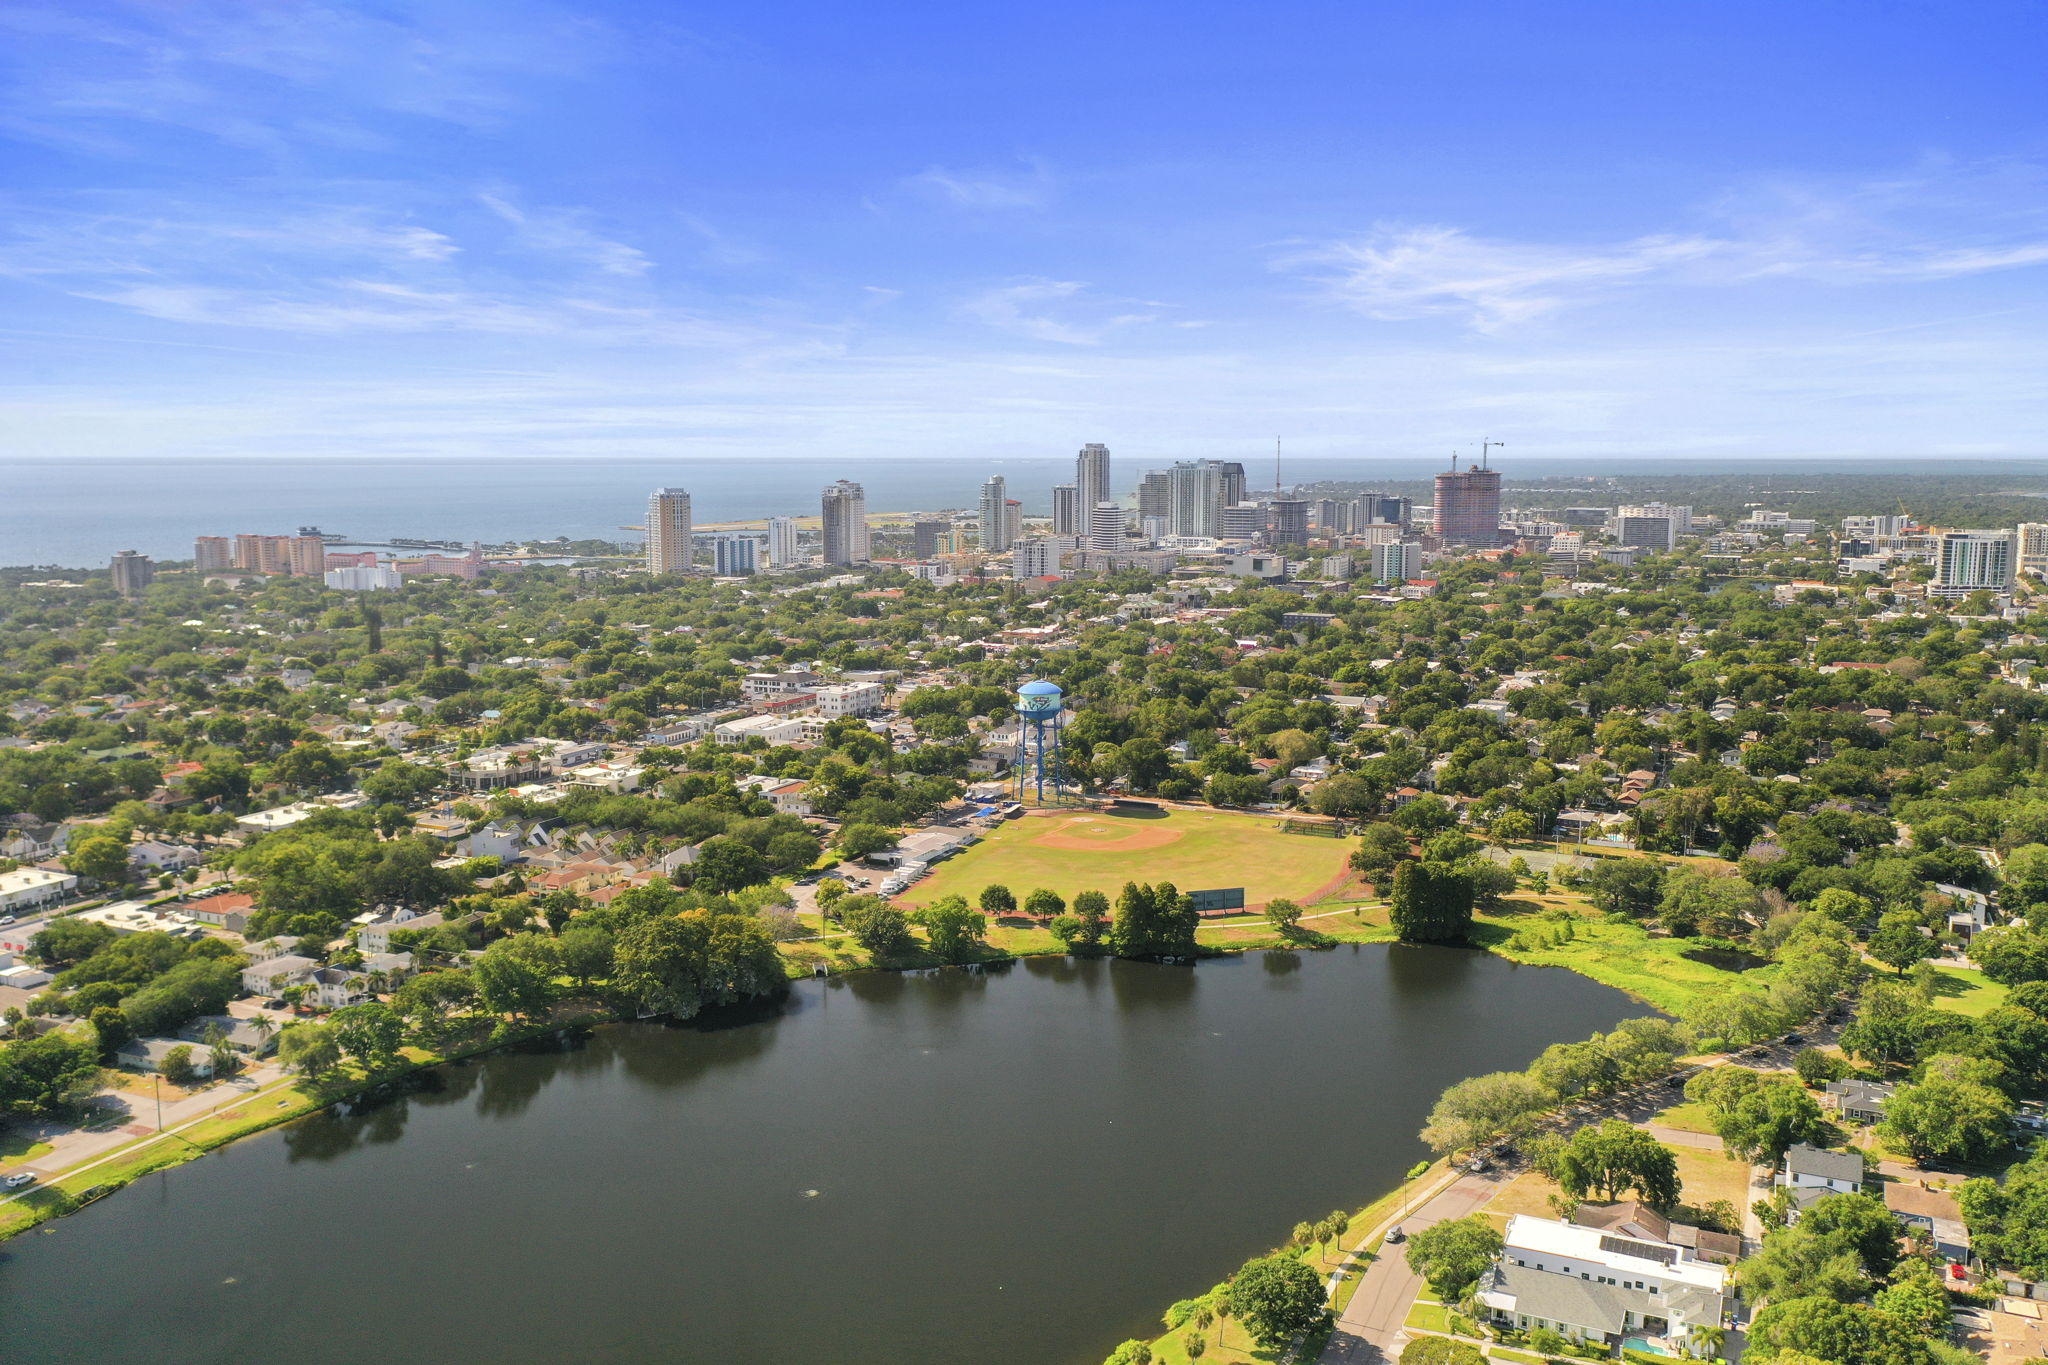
<point x="1967" y="992"/>
<point x="1624" y="956"/>
<point x="1071" y="852"/>
<point x="1430" y="1317"/>
<point x="1692" y="1118"/>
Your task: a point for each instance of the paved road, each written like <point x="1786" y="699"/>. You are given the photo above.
<point x="1367" y="1333"/>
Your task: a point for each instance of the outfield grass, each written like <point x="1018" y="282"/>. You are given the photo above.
<point x="1072" y="852"/>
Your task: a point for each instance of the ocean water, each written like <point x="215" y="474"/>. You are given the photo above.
<point x="79" y="513"/>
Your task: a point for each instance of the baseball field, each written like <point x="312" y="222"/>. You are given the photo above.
<point x="1074" y="851"/>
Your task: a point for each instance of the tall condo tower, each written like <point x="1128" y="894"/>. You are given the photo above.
<point x="1037" y="765"/>
<point x="1066" y="509"/>
<point x="131" y="572"/>
<point x="782" y="541"/>
<point x="1091" y="474"/>
<point x="1106" y="527"/>
<point x="670" y="547"/>
<point x="995" y="515"/>
<point x="845" y="507"/>
<point x="1468" y="506"/>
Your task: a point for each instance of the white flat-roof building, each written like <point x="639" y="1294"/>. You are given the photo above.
<point x="31" y="886"/>
<point x="773" y="729"/>
<point x="849" y="699"/>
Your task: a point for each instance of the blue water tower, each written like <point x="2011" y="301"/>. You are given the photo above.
<point x="1037" y="766"/>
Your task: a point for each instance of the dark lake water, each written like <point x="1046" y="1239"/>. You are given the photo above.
<point x="1022" y="1167"/>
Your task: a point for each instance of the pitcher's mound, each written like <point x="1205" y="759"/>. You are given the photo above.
<point x="1101" y="835"/>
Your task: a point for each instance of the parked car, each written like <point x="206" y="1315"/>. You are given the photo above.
<point x="20" y="1179"/>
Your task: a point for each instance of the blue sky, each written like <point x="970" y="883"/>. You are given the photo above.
<point x="510" y="229"/>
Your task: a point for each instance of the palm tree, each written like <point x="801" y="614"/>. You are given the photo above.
<point x="1705" y="1339"/>
<point x="264" y="1026"/>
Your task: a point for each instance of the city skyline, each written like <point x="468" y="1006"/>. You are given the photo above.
<point x="250" y="234"/>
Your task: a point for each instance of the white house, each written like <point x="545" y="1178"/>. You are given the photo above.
<point x="274" y="975"/>
<point x="1814" y="1168"/>
<point x="1590" y="1284"/>
<point x="786" y="794"/>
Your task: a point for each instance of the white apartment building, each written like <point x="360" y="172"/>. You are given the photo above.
<point x="1397" y="561"/>
<point x="1974" y="561"/>
<point x="758" y="687"/>
<point x="2033" y="538"/>
<point x="782" y="542"/>
<point x="849" y="699"/>
<point x="1106" y="527"/>
<point x="1041" y="556"/>
<point x="364" y="578"/>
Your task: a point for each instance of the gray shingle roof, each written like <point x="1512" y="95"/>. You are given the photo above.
<point x="1801" y="1159"/>
<point x="1602" y="1308"/>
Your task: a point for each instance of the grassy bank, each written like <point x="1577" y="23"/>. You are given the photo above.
<point x="260" y="1110"/>
<point x="1362" y="1234"/>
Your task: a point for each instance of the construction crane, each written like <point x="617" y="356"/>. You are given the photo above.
<point x="1483" y="446"/>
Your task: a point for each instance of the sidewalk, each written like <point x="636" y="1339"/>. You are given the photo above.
<point x="138" y="1121"/>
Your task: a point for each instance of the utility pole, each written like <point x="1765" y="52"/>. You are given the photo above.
<point x="1276" y="466"/>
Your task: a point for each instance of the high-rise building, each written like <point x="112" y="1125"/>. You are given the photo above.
<point x="1397" y="561"/>
<point x="1041" y="556"/>
<point x="212" y="553"/>
<point x="1290" y="521"/>
<point x="1240" y="521"/>
<point x="845" y="506"/>
<point x="1633" y="528"/>
<point x="1194" y="492"/>
<point x="1091" y="474"/>
<point x="1106" y="527"/>
<point x="131" y="572"/>
<point x="1679" y="515"/>
<point x="671" y="545"/>
<point x="1870" y="528"/>
<point x="1468" y="507"/>
<point x="1974" y="561"/>
<point x="1155" y="496"/>
<point x="1013" y="520"/>
<point x="736" y="554"/>
<point x="263" y="554"/>
<point x="924" y="538"/>
<point x="995" y="516"/>
<point x="782" y="542"/>
<point x="308" y="556"/>
<point x="2033" y="538"/>
<point x="1066" y="509"/>
<point x="1231" y="490"/>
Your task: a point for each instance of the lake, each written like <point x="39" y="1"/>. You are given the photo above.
<point x="1021" y="1167"/>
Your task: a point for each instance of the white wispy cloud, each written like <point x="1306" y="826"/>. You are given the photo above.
<point x="1031" y="188"/>
<point x="1398" y="272"/>
<point x="1026" y="309"/>
<point x="563" y="232"/>
<point x="1937" y="223"/>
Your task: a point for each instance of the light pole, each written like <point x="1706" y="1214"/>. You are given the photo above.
<point x="159" y="1079"/>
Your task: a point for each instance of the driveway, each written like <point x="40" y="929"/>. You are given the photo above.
<point x="1368" y="1332"/>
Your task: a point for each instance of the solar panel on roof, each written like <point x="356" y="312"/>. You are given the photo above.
<point x="1621" y="1246"/>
